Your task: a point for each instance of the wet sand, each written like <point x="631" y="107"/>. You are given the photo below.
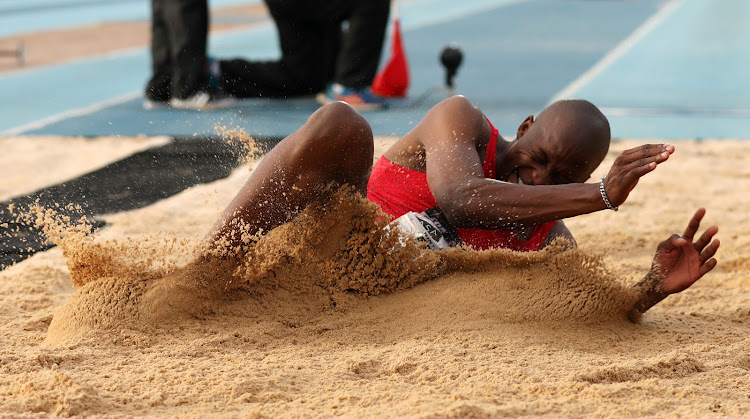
<point x="325" y="318"/>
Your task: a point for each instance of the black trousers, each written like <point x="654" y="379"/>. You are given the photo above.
<point x="315" y="50"/>
<point x="178" y="48"/>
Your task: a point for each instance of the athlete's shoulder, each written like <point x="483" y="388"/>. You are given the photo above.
<point x="461" y="115"/>
<point x="458" y="103"/>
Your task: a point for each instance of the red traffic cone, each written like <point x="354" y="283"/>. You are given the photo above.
<point x="393" y="79"/>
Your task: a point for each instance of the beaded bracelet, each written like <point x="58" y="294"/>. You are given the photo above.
<point x="604" y="195"/>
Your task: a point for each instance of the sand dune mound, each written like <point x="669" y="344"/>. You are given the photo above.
<point x="317" y="320"/>
<point x="327" y="261"/>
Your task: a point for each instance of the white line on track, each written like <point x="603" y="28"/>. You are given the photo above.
<point x="636" y="36"/>
<point x="729" y="113"/>
<point x="421" y="20"/>
<point x="123" y="52"/>
<point x="41" y="123"/>
<point x="105" y="56"/>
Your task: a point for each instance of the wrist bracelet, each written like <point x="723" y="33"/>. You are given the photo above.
<point x="604" y="195"/>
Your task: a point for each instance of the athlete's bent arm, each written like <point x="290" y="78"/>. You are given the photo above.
<point x="450" y="133"/>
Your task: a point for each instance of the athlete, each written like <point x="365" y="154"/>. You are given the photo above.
<point x="455" y="169"/>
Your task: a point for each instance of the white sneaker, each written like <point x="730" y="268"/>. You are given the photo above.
<point x="150" y="104"/>
<point x="203" y="100"/>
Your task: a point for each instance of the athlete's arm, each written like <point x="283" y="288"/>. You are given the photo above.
<point x="450" y="133"/>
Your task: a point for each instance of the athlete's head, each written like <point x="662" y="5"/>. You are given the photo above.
<point x="566" y="142"/>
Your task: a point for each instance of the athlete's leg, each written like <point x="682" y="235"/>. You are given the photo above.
<point x="334" y="145"/>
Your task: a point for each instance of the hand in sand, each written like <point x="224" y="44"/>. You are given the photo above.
<point x="630" y="166"/>
<point x="679" y="263"/>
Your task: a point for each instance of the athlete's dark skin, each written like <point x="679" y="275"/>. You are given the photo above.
<point x="541" y="177"/>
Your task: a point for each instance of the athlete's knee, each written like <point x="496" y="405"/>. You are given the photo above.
<point x="337" y="144"/>
<point x="341" y="127"/>
<point x="341" y="114"/>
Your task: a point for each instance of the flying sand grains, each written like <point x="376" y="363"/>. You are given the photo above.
<point x="330" y="253"/>
<point x="237" y="137"/>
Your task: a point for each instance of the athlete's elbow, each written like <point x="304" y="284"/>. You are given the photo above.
<point x="462" y="202"/>
<point x="472" y="212"/>
<point x="461" y="215"/>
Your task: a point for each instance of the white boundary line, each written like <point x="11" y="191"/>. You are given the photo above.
<point x="105" y="56"/>
<point x="675" y="111"/>
<point x="256" y="26"/>
<point x="124" y="52"/>
<point x="41" y="123"/>
<point x="636" y="36"/>
<point x="259" y="25"/>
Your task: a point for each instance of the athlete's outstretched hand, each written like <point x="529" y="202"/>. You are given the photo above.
<point x="630" y="166"/>
<point x="678" y="263"/>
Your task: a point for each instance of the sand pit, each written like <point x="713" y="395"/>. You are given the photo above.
<point x="328" y="316"/>
<point x="58" y="164"/>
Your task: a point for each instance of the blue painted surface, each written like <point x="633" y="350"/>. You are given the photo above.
<point x="41" y="92"/>
<point x="517" y="55"/>
<point x="25" y="16"/>
<point x="680" y="126"/>
<point x="47" y="91"/>
<point x="690" y="74"/>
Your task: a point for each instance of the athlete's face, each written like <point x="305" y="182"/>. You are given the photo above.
<point x="548" y="155"/>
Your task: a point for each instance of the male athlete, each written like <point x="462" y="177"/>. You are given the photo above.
<point x="491" y="192"/>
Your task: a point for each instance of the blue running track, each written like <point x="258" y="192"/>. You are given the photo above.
<point x="658" y="68"/>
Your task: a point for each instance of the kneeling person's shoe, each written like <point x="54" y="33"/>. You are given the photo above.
<point x="151" y="104"/>
<point x="203" y="100"/>
<point x="155" y="100"/>
<point x="359" y="99"/>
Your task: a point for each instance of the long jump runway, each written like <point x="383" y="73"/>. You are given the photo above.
<point x="314" y="324"/>
<point x="659" y="69"/>
<point x="668" y="69"/>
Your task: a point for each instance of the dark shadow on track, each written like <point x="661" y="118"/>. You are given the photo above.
<point x="133" y="182"/>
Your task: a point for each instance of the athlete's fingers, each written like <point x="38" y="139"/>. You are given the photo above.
<point x="707" y="267"/>
<point x="641" y="159"/>
<point x="648" y="150"/>
<point x="640" y="166"/>
<point x="634" y="172"/>
<point x="694" y="224"/>
<point x="705" y="238"/>
<point x="630" y="166"/>
<point x="710" y="251"/>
